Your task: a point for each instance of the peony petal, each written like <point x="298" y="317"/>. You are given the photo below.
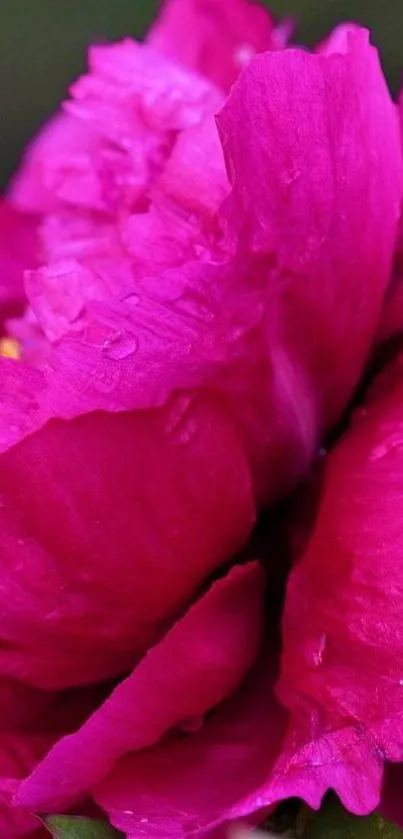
<point x="62" y="139"/>
<point x="136" y="101"/>
<point x="343" y="640"/>
<point x="391" y="323"/>
<point x="215" y="37"/>
<point x="194" y="176"/>
<point x="108" y="524"/>
<point x="18" y="251"/>
<point x="205" y="780"/>
<point x="197" y="664"/>
<point x="301" y="176"/>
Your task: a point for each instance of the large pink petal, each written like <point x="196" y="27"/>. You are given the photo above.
<point x="215" y="37"/>
<point x="197" y="664"/>
<point x="391" y="323"/>
<point x="108" y="522"/>
<point x="205" y="780"/>
<point x="343" y="641"/>
<point x="311" y="140"/>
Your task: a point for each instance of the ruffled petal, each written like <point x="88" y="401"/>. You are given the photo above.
<point x="216" y="37"/>
<point x="64" y="138"/>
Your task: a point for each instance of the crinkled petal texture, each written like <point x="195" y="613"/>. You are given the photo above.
<point x="216" y="37"/>
<point x="109" y="521"/>
<point x="343" y="642"/>
<point x="196" y="665"/>
<point x="96" y="163"/>
<point x="18" y="251"/>
<point x="62" y="139"/>
<point x="273" y="303"/>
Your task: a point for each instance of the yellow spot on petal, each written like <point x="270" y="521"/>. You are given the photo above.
<point x="9" y="348"/>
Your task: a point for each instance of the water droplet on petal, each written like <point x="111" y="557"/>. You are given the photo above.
<point x="393" y="443"/>
<point x="132" y="298"/>
<point x="120" y="346"/>
<point x="244" y="54"/>
<point x="315" y="652"/>
<point x="180" y="424"/>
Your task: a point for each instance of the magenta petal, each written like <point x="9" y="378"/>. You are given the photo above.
<point x="215" y="37"/>
<point x="197" y="664"/>
<point x="343" y="640"/>
<point x="336" y="156"/>
<point x="62" y="139"/>
<point x="18" y="251"/>
<point x="108" y="524"/>
<point x="205" y="780"/>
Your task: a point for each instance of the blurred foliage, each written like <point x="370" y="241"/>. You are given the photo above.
<point x="293" y="820"/>
<point x="43" y="42"/>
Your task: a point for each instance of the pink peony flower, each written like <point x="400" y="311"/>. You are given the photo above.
<point x="210" y="293"/>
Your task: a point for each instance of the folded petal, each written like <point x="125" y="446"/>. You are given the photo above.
<point x="198" y="663"/>
<point x="206" y="779"/>
<point x="215" y="37"/>
<point x="342" y="676"/>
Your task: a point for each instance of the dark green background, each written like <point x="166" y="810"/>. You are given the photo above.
<point x="42" y="48"/>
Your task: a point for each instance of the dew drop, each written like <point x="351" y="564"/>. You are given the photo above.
<point x="244" y="54"/>
<point x="132" y="298"/>
<point x="315" y="652"/>
<point x="180" y="424"/>
<point x="391" y="444"/>
<point x="119" y="346"/>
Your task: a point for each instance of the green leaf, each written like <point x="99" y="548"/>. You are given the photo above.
<point x="333" y="822"/>
<point x="294" y="820"/>
<point x="67" y="827"/>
